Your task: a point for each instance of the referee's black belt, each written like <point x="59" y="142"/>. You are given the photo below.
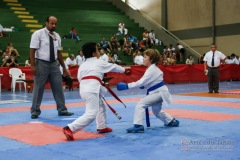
<point x="45" y="61"/>
<point x="213" y="67"/>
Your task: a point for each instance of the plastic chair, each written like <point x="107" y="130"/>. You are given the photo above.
<point x="17" y="77"/>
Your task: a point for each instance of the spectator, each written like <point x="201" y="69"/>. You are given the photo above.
<point x="1" y="30"/>
<point x="122" y="29"/>
<point x="5" y="56"/>
<point x="115" y="58"/>
<point x="12" y="61"/>
<point x="106" y="45"/>
<point x="13" y="50"/>
<point x="103" y="55"/>
<point x="134" y="41"/>
<point x="80" y="58"/>
<point x="190" y="60"/>
<point x="171" y="59"/>
<point x="145" y="36"/>
<point x="200" y="59"/>
<point x="228" y="60"/>
<point x="127" y="47"/>
<point x="234" y="59"/>
<point x="71" y="61"/>
<point x="72" y="35"/>
<point x="114" y="42"/>
<point x="181" y="50"/>
<point x="153" y="39"/>
<point x="27" y="62"/>
<point x="138" y="59"/>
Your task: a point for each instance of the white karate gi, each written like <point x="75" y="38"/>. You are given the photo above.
<point x="151" y="77"/>
<point x="91" y="91"/>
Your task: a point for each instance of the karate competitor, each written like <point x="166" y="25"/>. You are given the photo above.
<point x="90" y="75"/>
<point x="157" y="93"/>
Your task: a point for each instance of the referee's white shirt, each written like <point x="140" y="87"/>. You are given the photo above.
<point x="218" y="56"/>
<point x="40" y="42"/>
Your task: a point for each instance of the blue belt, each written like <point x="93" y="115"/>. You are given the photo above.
<point x="155" y="87"/>
<point x="149" y="90"/>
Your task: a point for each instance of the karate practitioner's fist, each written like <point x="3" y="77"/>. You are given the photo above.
<point x="122" y="86"/>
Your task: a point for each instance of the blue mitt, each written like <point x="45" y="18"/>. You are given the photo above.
<point x="122" y="86"/>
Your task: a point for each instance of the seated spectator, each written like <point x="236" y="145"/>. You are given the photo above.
<point x="27" y="62"/>
<point x="134" y="41"/>
<point x="67" y="79"/>
<point x="165" y="60"/>
<point x="5" y="56"/>
<point x="171" y="49"/>
<point x="122" y="29"/>
<point x="1" y="30"/>
<point x="127" y="47"/>
<point x="80" y="58"/>
<point x="106" y="45"/>
<point x="190" y="60"/>
<point x="145" y="38"/>
<point x="171" y="59"/>
<point x="114" y="42"/>
<point x="234" y="59"/>
<point x="138" y="59"/>
<point x="12" y="61"/>
<point x="115" y="58"/>
<point x="228" y="60"/>
<point x="13" y="50"/>
<point x="103" y="55"/>
<point x="72" y="35"/>
<point x="71" y="61"/>
<point x="153" y="39"/>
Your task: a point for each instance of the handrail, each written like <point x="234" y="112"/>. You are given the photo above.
<point x="161" y="27"/>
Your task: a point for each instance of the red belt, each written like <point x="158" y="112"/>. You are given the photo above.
<point x="110" y="91"/>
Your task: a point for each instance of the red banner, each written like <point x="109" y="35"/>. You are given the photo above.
<point x="179" y="73"/>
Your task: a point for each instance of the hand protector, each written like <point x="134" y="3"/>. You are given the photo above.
<point x="122" y="86"/>
<point x="128" y="71"/>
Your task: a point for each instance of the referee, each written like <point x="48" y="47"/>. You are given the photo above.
<point x="46" y="57"/>
<point x="212" y="61"/>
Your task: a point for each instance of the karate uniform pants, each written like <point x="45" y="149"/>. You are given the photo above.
<point x="155" y="101"/>
<point x="95" y="109"/>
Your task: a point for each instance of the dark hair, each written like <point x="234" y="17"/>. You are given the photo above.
<point x="47" y="19"/>
<point x="88" y="49"/>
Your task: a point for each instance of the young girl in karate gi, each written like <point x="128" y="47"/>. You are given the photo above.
<point x="90" y="74"/>
<point x="157" y="93"/>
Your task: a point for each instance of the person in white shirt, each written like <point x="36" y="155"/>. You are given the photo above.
<point x="138" y="59"/>
<point x="157" y="93"/>
<point x="234" y="59"/>
<point x="80" y="58"/>
<point x="190" y="60"/>
<point x="27" y="62"/>
<point x="212" y="61"/>
<point x="90" y="75"/>
<point x="71" y="61"/>
<point x="103" y="55"/>
<point x="228" y="60"/>
<point x="122" y="29"/>
<point x="153" y="39"/>
<point x="45" y="56"/>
